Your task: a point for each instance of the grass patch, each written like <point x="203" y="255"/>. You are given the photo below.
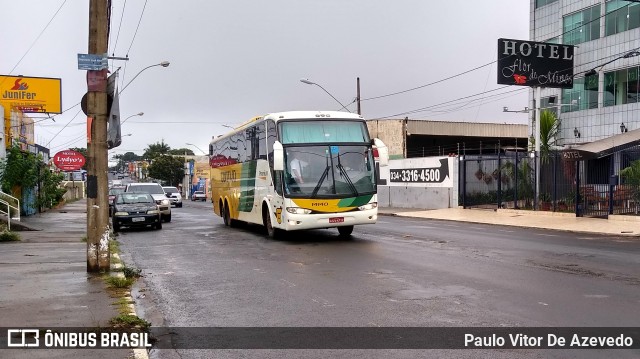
<point x="123" y="305"/>
<point x="8" y="236"/>
<point x="117" y="292"/>
<point x="84" y="239"/>
<point x="119" y="282"/>
<point x="114" y="247"/>
<point x="130" y="321"/>
<point x="115" y="260"/>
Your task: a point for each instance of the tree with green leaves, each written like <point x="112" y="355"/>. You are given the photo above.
<point x="181" y="152"/>
<point x="631" y="176"/>
<point x="549" y="134"/>
<point x="24" y="170"/>
<point x="125" y="158"/>
<point x="155" y="150"/>
<point x="19" y="171"/>
<point x="168" y="169"/>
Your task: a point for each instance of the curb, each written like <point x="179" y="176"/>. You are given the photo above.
<point x="138" y="353"/>
<point x="629" y="235"/>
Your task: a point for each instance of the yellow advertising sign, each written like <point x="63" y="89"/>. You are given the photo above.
<point x="201" y="170"/>
<point x="30" y="94"/>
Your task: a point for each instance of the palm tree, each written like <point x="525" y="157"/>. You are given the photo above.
<point x="155" y="150"/>
<point x="549" y="133"/>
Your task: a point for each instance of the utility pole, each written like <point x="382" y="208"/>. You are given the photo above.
<point x="358" y="96"/>
<point x="97" y="201"/>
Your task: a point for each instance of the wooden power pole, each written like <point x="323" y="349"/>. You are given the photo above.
<point x="97" y="201"/>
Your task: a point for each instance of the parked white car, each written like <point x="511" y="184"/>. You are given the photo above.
<point x="198" y="196"/>
<point x="174" y="196"/>
<point x="158" y="194"/>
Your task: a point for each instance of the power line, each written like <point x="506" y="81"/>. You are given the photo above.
<point x="115" y="46"/>
<point x="479" y="67"/>
<point x="132" y="40"/>
<point x="56" y="135"/>
<point x="424" y="109"/>
<point x="429" y="84"/>
<point x="36" y="40"/>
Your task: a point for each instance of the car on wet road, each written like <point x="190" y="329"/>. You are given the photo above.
<point x="135" y="210"/>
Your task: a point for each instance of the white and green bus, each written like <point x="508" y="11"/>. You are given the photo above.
<point x="297" y="170"/>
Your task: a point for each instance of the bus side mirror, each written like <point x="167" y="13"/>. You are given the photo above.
<point x="380" y="152"/>
<point x="278" y="156"/>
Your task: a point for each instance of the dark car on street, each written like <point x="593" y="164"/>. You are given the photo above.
<point x="113" y="191"/>
<point x="133" y="209"/>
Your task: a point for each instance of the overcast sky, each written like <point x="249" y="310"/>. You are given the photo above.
<point x="232" y="60"/>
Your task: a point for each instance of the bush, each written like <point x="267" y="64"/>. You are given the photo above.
<point x="131" y="272"/>
<point x="119" y="282"/>
<point x="7" y="236"/>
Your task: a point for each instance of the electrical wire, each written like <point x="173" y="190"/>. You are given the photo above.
<point x="132" y="41"/>
<point x="115" y="46"/>
<point x="425" y="109"/>
<point x="36" y="40"/>
<point x="64" y="127"/>
<point x="479" y="67"/>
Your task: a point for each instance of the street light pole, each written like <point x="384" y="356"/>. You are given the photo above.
<point x="163" y="64"/>
<point x="137" y="114"/>
<point x="306" y="81"/>
<point x="358" y="96"/>
<point x="191" y="144"/>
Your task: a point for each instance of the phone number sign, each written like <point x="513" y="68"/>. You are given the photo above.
<point x="421" y="174"/>
<point x="428" y="175"/>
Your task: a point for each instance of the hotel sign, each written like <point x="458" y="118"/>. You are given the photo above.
<point x="30" y="94"/>
<point x="529" y="63"/>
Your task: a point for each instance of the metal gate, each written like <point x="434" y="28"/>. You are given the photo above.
<point x="503" y="180"/>
<point x="590" y="188"/>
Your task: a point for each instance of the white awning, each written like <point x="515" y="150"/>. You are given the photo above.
<point x="603" y="147"/>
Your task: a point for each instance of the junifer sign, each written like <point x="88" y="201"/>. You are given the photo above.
<point x="529" y="63"/>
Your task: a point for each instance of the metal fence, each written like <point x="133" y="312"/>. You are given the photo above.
<point x="586" y="188"/>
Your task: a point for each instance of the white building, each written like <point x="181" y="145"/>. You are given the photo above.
<point x="607" y="39"/>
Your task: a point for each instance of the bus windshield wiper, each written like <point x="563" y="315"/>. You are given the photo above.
<point x="317" y="187"/>
<point x="346" y="177"/>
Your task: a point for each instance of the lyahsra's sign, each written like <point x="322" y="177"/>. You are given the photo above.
<point x="529" y="63"/>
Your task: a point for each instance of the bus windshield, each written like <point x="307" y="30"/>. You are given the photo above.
<point x="329" y="171"/>
<point x="324" y="131"/>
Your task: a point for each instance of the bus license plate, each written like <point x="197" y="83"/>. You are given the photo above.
<point x="137" y="219"/>
<point x="336" y="220"/>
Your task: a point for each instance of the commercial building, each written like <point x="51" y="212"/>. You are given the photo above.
<point x="604" y="103"/>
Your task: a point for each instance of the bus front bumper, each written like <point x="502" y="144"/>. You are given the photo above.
<point x="294" y="222"/>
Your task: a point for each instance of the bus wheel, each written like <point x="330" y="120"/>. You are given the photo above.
<point x="345" y="231"/>
<point x="226" y="216"/>
<point x="271" y="232"/>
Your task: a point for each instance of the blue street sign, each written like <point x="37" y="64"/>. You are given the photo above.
<point x="92" y="62"/>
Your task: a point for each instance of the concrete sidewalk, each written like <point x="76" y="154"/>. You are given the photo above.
<point x="45" y="283"/>
<point x="615" y="225"/>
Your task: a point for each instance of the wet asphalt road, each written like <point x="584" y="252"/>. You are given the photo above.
<point x="401" y="272"/>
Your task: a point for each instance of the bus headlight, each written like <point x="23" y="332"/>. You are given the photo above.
<point x="368" y="206"/>
<point x="298" y="210"/>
